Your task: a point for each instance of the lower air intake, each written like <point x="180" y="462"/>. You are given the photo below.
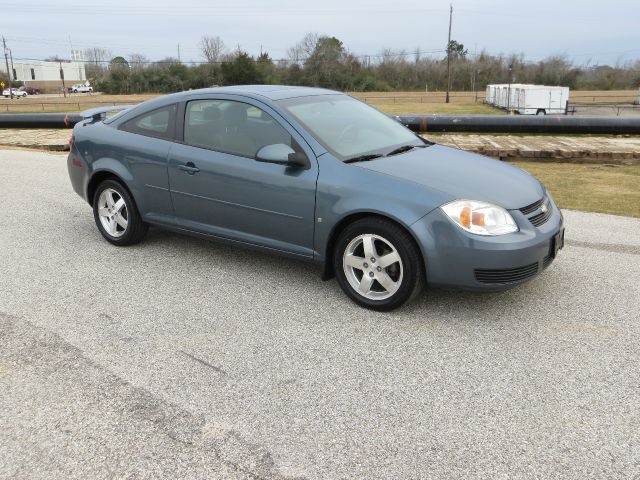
<point x="507" y="275"/>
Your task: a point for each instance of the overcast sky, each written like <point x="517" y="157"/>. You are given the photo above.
<point x="587" y="31"/>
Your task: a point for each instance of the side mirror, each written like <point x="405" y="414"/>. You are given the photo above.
<point x="281" y="154"/>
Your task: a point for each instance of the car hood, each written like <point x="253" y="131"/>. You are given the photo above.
<point x="463" y="175"/>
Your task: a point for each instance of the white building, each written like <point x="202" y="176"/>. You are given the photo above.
<point x="47" y="75"/>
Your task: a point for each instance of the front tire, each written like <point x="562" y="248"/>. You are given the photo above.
<point x="116" y="214"/>
<point x="378" y="265"/>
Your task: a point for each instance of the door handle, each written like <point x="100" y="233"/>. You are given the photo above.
<point x="189" y="167"/>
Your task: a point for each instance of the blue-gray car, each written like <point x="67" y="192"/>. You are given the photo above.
<point x="320" y="176"/>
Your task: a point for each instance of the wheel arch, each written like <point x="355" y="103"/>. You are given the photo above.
<point x="327" y="270"/>
<point x="100" y="176"/>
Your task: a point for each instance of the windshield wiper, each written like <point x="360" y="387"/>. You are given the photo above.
<point x="404" y="148"/>
<point x="363" y="158"/>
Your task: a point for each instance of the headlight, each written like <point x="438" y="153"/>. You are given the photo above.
<point x="480" y="218"/>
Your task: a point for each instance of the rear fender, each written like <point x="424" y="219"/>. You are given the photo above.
<point x="109" y="166"/>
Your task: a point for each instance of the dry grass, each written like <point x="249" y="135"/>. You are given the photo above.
<point x="602" y="188"/>
<point x="437" y="108"/>
<point x="464" y="103"/>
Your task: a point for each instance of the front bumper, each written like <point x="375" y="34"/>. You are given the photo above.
<point x="456" y="258"/>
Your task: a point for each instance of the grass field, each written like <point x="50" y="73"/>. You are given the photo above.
<point x="389" y="102"/>
<point x="601" y="188"/>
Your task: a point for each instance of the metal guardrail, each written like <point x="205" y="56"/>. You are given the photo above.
<point x="418" y="123"/>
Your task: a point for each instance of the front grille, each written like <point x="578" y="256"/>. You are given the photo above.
<point x="531" y="208"/>
<point x="544" y="205"/>
<point x="541" y="217"/>
<point x="507" y="275"/>
<point x="547" y="261"/>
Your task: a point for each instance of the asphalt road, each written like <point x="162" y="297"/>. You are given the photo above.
<point x="180" y="358"/>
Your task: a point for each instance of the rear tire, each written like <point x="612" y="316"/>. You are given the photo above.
<point x="378" y="264"/>
<point x="116" y="214"/>
<point x="541" y="112"/>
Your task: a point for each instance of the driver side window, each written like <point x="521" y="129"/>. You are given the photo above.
<point x="232" y="127"/>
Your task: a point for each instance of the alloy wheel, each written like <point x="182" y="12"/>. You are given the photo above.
<point x="112" y="211"/>
<point x="372" y="266"/>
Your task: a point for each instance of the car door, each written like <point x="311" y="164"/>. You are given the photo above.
<point x="218" y="187"/>
<point x="144" y="143"/>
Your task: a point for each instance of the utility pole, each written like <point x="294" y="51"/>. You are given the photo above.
<point x="449" y="54"/>
<point x="12" y="67"/>
<point x="509" y="89"/>
<point x="6" y="62"/>
<point x="64" y="89"/>
<point x="475" y="68"/>
<point x="179" y="59"/>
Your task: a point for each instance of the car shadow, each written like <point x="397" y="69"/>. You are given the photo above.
<point x="437" y="302"/>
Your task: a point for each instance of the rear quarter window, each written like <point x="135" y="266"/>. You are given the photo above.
<point x="159" y="123"/>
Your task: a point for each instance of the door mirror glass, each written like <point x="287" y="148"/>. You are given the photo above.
<point x="280" y="153"/>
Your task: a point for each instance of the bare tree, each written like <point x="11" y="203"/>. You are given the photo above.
<point x="138" y="61"/>
<point x="96" y="62"/>
<point x="97" y="55"/>
<point x="212" y="48"/>
<point x="302" y="50"/>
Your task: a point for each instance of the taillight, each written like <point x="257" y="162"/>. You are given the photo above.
<point x="74" y="156"/>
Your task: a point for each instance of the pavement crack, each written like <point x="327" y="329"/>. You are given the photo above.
<point x="119" y="423"/>
<point x="204" y="362"/>
<point x="606" y="247"/>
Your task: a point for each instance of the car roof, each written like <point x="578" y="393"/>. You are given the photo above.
<point x="258" y="92"/>
<point x="272" y="92"/>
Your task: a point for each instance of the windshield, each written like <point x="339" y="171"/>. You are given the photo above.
<point x="348" y="127"/>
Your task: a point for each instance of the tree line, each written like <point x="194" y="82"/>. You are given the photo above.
<point x="323" y="61"/>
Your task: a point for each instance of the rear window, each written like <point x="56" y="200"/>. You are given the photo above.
<point x="159" y="123"/>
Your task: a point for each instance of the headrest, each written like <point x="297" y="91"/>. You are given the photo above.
<point x="235" y="115"/>
<point x="212" y="113"/>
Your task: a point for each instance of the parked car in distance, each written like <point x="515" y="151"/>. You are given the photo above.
<point x="16" y="93"/>
<point x="29" y="90"/>
<point x="320" y="176"/>
<point x="81" y="89"/>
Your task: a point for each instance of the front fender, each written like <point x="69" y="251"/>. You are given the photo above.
<point x="346" y="191"/>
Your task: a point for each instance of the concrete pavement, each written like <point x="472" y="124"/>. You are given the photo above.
<point x="180" y="358"/>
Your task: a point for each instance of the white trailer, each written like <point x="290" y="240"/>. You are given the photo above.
<point x="493" y="93"/>
<point x="541" y="100"/>
<point x="528" y="99"/>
